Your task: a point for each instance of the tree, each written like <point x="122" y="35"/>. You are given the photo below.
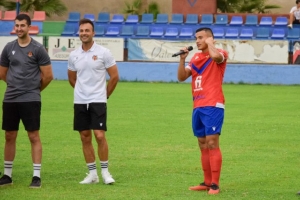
<point x="2" y="3"/>
<point x="135" y="8"/>
<point x="244" y="6"/>
<point x="256" y="6"/>
<point x="227" y="6"/>
<point x="153" y="8"/>
<point x="51" y="7"/>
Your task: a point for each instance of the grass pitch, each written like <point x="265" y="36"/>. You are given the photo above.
<point x="153" y="153"/>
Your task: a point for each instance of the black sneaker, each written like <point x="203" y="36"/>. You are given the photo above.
<point x="200" y="187"/>
<point x="214" y="186"/>
<point x="5" y="180"/>
<point x="36" y="182"/>
<point x="214" y="189"/>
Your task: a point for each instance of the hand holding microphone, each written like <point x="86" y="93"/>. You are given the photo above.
<point x="190" y="48"/>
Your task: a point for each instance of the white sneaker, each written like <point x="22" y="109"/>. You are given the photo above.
<point x="290" y="25"/>
<point x="107" y="178"/>
<point x="90" y="179"/>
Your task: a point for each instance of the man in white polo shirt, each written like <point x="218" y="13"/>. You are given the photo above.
<point x="87" y="67"/>
<point x="295" y="15"/>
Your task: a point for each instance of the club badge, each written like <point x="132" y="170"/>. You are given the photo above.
<point x="95" y="57"/>
<point x="30" y="54"/>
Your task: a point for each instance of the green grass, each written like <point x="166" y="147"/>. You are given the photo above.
<point x="153" y="153"/>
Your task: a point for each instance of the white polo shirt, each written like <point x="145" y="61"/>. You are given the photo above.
<point x="296" y="12"/>
<point x="91" y="73"/>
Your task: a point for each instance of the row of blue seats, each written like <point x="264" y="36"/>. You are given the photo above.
<point x="187" y="32"/>
<point x="173" y="31"/>
<point x="6" y="27"/>
<point x="191" y="19"/>
<point x="259" y="33"/>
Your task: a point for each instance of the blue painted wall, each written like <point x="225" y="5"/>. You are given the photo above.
<point x="167" y="72"/>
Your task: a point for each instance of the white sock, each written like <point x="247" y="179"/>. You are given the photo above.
<point x="37" y="170"/>
<point x="104" y="166"/>
<point x="8" y="168"/>
<point x="92" y="168"/>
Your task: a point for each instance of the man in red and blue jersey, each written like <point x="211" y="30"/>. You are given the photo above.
<point x="207" y="70"/>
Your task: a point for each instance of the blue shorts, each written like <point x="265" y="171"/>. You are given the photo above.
<point x="207" y="121"/>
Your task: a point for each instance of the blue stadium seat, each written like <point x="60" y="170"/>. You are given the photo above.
<point x="6" y="27"/>
<point x="162" y="19"/>
<point x="207" y="19"/>
<point x="293" y="33"/>
<point x="99" y="30"/>
<point x="236" y="21"/>
<point x="132" y="19"/>
<point x="246" y="33"/>
<point x="191" y="19"/>
<point x="176" y="19"/>
<point x="103" y="17"/>
<point x="127" y="31"/>
<point x="251" y="20"/>
<point x="218" y="32"/>
<point x="89" y="16"/>
<point x="221" y="19"/>
<point x="281" y="21"/>
<point x="117" y="19"/>
<point x="232" y="33"/>
<point x="278" y="33"/>
<point x="40" y="24"/>
<point x="34" y="30"/>
<point x="262" y="33"/>
<point x="73" y="17"/>
<point x="147" y="18"/>
<point x="171" y="32"/>
<point x="112" y="31"/>
<point x="266" y="21"/>
<point x="142" y="31"/>
<point x="186" y="32"/>
<point x="156" y="31"/>
<point x="69" y="30"/>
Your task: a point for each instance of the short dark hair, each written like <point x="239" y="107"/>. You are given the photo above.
<point x="23" y="16"/>
<point x="205" y="29"/>
<point x="86" y="21"/>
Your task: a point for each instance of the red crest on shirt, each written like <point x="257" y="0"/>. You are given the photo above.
<point x="30" y="54"/>
<point x="95" y="57"/>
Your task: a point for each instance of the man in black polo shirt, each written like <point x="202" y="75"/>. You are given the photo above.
<point x="26" y="68"/>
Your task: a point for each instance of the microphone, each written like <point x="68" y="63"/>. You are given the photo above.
<point x="190" y="48"/>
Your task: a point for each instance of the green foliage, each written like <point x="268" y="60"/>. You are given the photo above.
<point x="153" y="8"/>
<point x="245" y="6"/>
<point x="266" y="8"/>
<point x="227" y="6"/>
<point x="3" y="3"/>
<point x="153" y="153"/>
<point x="51" y="7"/>
<point x="135" y="8"/>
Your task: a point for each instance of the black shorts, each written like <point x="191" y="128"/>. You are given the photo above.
<point x="90" y="116"/>
<point x="28" y="112"/>
<point x="296" y="21"/>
